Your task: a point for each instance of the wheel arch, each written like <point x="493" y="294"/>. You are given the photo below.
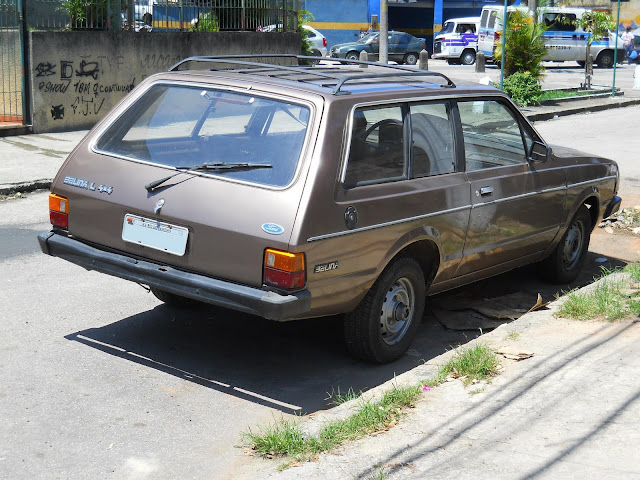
<point x="592" y="202"/>
<point x="422" y="245"/>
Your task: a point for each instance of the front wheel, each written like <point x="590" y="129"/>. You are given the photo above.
<point x="468" y="57"/>
<point x="353" y="56"/>
<point x="386" y="321"/>
<point x="566" y="260"/>
<point x="411" y="58"/>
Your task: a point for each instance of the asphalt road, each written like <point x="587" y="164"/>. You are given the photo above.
<point x="98" y="379"/>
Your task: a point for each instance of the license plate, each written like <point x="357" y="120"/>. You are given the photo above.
<point x="154" y="234"/>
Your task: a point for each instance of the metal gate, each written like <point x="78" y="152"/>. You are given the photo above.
<point x="11" y="57"/>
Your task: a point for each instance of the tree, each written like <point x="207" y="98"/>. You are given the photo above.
<point x="598" y="25"/>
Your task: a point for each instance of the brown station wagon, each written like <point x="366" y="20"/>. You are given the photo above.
<point x="293" y="191"/>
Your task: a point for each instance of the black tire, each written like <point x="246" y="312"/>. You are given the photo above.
<point x="566" y="260"/>
<point x="605" y="59"/>
<point x="468" y="57"/>
<point x="411" y="58"/>
<point x="353" y="56"/>
<point x="172" y="299"/>
<point x="386" y="321"/>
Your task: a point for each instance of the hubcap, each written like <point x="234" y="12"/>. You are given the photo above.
<point x="573" y="245"/>
<point x="397" y="309"/>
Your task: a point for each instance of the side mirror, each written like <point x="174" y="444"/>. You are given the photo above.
<point x="539" y="152"/>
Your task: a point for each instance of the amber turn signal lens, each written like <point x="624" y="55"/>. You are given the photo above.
<point x="285" y="261"/>
<point x="58" y="203"/>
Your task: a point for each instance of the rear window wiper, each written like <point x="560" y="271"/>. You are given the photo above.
<point x="225" y="166"/>
<point x="218" y="166"/>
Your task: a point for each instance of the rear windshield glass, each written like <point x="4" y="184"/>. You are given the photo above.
<point x="183" y="127"/>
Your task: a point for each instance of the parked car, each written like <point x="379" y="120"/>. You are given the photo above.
<point x="402" y="48"/>
<point x="317" y="40"/>
<point x="335" y="191"/>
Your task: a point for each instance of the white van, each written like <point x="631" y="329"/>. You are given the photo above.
<point x="457" y="42"/>
<point x="565" y="41"/>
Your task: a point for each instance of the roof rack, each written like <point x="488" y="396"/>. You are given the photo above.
<point x="312" y="73"/>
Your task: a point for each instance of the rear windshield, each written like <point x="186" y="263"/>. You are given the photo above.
<point x="182" y="126"/>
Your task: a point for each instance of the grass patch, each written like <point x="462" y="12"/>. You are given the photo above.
<point x="513" y="336"/>
<point x="556" y="94"/>
<point x="335" y="397"/>
<point x="285" y="438"/>
<point x="472" y="364"/>
<point x="611" y="300"/>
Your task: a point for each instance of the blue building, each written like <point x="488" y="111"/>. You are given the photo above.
<point x="342" y="20"/>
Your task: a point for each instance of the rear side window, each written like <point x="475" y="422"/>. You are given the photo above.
<point x="492" y="135"/>
<point x="492" y="19"/>
<point x="245" y="137"/>
<point x="483" y="19"/>
<point x="377" y="152"/>
<point x="432" y="135"/>
<point x="560" y="22"/>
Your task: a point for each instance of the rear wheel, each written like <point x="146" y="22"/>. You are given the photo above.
<point x="605" y="59"/>
<point x="386" y="322"/>
<point x="468" y="57"/>
<point x="411" y="58"/>
<point x="172" y="299"/>
<point x="564" y="264"/>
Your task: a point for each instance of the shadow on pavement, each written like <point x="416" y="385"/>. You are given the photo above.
<point x="291" y="366"/>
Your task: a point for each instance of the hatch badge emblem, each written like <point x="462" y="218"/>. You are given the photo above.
<point x="272" y="228"/>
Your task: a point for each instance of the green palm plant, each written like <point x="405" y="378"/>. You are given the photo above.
<point x="524" y="46"/>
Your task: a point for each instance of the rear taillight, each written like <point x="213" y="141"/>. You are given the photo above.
<point x="283" y="269"/>
<point x="58" y="211"/>
<point x="496" y="37"/>
<point x="324" y="42"/>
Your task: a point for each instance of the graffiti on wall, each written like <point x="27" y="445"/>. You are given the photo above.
<point x="79" y="87"/>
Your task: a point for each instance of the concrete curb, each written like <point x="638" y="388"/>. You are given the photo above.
<point x="25" y="187"/>
<point x="548" y="115"/>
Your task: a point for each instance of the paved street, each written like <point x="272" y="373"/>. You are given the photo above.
<point x="100" y="380"/>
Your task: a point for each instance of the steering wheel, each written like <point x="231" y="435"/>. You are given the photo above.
<point x="386" y="121"/>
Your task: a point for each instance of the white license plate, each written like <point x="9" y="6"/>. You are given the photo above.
<point x="154" y="234"/>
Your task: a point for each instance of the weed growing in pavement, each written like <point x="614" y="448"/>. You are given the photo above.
<point x="285" y="438"/>
<point x="338" y="398"/>
<point x="471" y="364"/>
<point x="612" y="299"/>
<point x="379" y="475"/>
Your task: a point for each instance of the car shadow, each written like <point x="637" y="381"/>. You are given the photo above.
<point x="295" y="366"/>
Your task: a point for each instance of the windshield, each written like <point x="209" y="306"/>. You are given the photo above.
<point x="369" y="38"/>
<point x="447" y="28"/>
<point x="181" y="127"/>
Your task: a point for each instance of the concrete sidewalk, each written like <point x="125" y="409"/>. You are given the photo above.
<point x="570" y="411"/>
<point x="29" y="162"/>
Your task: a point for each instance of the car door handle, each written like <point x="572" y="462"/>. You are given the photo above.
<point x="486" y="191"/>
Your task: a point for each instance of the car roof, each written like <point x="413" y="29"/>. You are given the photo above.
<point x="333" y="78"/>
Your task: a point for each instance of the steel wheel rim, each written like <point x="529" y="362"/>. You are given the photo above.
<point x="468" y="59"/>
<point x="412" y="59"/>
<point x="397" y="311"/>
<point x="573" y="245"/>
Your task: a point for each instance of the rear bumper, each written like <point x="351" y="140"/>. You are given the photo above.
<point x="270" y="305"/>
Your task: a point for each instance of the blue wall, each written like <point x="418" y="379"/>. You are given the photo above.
<point x="341" y="20"/>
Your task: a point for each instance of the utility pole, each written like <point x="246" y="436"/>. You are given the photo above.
<point x="384" y="32"/>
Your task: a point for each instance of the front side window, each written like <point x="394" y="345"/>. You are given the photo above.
<point x="376" y="153"/>
<point x="245" y="137"/>
<point x="492" y="135"/>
